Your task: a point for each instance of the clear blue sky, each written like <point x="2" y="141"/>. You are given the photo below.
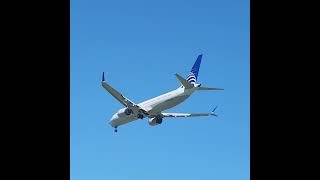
<point x="140" y="45"/>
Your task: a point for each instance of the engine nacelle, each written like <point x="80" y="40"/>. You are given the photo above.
<point x="128" y="111"/>
<point x="125" y="112"/>
<point x="155" y="121"/>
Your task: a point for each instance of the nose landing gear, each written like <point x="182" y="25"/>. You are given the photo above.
<point x="115" y="129"/>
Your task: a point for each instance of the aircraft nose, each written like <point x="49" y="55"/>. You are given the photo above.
<point x="113" y="118"/>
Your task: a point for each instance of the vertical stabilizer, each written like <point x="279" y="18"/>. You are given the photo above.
<point x="193" y="74"/>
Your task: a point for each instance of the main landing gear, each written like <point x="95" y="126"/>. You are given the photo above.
<point x="140" y="116"/>
<point x="115" y="129"/>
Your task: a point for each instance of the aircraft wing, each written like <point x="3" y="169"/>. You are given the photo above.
<point x="186" y="114"/>
<point x="123" y="100"/>
<point x="189" y="114"/>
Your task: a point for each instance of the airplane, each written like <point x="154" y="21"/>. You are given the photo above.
<point x="152" y="108"/>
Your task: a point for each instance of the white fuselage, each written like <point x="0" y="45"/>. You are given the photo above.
<point x="153" y="106"/>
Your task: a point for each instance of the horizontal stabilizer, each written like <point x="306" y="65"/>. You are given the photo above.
<point x="184" y="82"/>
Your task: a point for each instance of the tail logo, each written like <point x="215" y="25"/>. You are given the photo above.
<point x="191" y="78"/>
<point x="193" y="74"/>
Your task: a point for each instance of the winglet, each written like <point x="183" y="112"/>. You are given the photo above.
<point x="102" y="76"/>
<point x="212" y="112"/>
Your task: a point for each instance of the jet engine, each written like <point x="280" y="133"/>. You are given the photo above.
<point x="128" y="111"/>
<point x="125" y="112"/>
<point x="155" y="121"/>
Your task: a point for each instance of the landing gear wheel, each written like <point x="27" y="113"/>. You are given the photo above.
<point x="115" y="129"/>
<point x="140" y="116"/>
